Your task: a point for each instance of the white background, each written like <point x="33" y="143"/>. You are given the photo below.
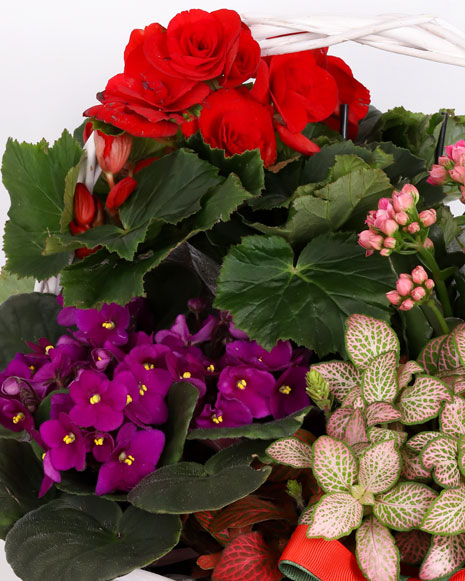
<point x="55" y="55"/>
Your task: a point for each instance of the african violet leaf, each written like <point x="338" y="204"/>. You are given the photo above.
<point x="367" y="338"/>
<point x="446" y="516"/>
<point x="379" y="467"/>
<point x="403" y="507"/>
<point x="419" y="441"/>
<point x="334" y="465"/>
<point x="336" y="515"/>
<point x="382" y="434"/>
<point x="429" y="357"/>
<point x="406" y="371"/>
<point x="292" y="452"/>
<point x="337" y="422"/>
<point x="355" y="430"/>
<point x="381" y="413"/>
<point x="93" y="537"/>
<point x="422" y="400"/>
<point x="440" y="456"/>
<point x="292" y="306"/>
<point x="379" y="383"/>
<point x="250" y="553"/>
<point x="376" y="551"/>
<point x="412" y="468"/>
<point x="445" y="556"/>
<point x="413" y="546"/>
<point x="341" y="376"/>
<point x="452" y="417"/>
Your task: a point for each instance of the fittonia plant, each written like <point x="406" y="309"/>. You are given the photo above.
<point x="392" y="467"/>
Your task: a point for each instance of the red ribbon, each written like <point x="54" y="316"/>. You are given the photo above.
<point x="307" y="559"/>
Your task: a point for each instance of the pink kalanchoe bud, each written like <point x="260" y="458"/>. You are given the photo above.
<point x="412" y="190"/>
<point x="371" y="217"/>
<point x="384" y="204"/>
<point x="404" y="286"/>
<point x="445" y="161"/>
<point x="390" y="242"/>
<point x="394" y="297"/>
<point x="428" y="244"/>
<point x="402" y="201"/>
<point x="407" y="305"/>
<point x="427" y="217"/>
<point x="112" y="151"/>
<point x="458" y="174"/>
<point x="413" y="227"/>
<point x="429" y="283"/>
<point x="385" y="252"/>
<point x="401" y="218"/>
<point x="387" y="227"/>
<point x="437" y="175"/>
<point x="370" y="240"/>
<point x="418" y="293"/>
<point x="456" y="152"/>
<point x="405" y="275"/>
<point x="419" y="275"/>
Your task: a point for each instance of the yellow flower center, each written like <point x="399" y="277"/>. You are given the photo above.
<point x="186" y="375"/>
<point x="32" y="368"/>
<point x="241" y="384"/>
<point x="129" y="460"/>
<point x="108" y="325"/>
<point x="211" y="368"/>
<point x="47" y="349"/>
<point x="142" y="388"/>
<point x="95" y="399"/>
<point x="148" y="366"/>
<point x="286" y="389"/>
<point x="43" y="455"/>
<point x="98" y="441"/>
<point x="217" y="419"/>
<point x="99" y="358"/>
<point x="128" y="399"/>
<point x="260" y="359"/>
<point x="19" y="417"/>
<point x="69" y="438"/>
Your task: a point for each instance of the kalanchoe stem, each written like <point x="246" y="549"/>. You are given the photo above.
<point x="441" y="289"/>
<point x="440" y="319"/>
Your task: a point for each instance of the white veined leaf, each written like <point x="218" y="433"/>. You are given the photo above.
<point x="376" y="551"/>
<point x="379" y="383"/>
<point x="446" y="515"/>
<point x="336" y="515"/>
<point x="380" y="412"/>
<point x="406" y="371"/>
<point x="419" y="441"/>
<point x="291" y="452"/>
<point x="448" y="355"/>
<point x="428" y="358"/>
<point x="382" y="434"/>
<point x="452" y="417"/>
<point x="306" y="518"/>
<point x="459" y="338"/>
<point x="445" y="556"/>
<point x="355" y="430"/>
<point x="403" y="507"/>
<point x="379" y="467"/>
<point x="412" y="467"/>
<point x="440" y="456"/>
<point x="353" y="399"/>
<point x="334" y="465"/>
<point x="366" y="338"/>
<point x="342" y="376"/>
<point x="337" y="422"/>
<point x="422" y="401"/>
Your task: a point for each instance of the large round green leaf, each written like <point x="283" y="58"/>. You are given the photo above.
<point x="87" y="539"/>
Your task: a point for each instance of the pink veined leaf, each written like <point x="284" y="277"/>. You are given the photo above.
<point x="379" y="381"/>
<point x="379" y="467"/>
<point x="381" y="412"/>
<point x="428" y="358"/>
<point x="306" y="518"/>
<point x="419" y="441"/>
<point x="367" y="338"/>
<point x="403" y="507"/>
<point x="376" y="551"/>
<point x="383" y="434"/>
<point x="446" y="516"/>
<point x="422" y="400"/>
<point x="456" y="382"/>
<point x="412" y="468"/>
<point x="448" y="355"/>
<point x="445" y="556"/>
<point x="406" y="371"/>
<point x="413" y="546"/>
<point x="342" y="376"/>
<point x="459" y="339"/>
<point x="334" y="465"/>
<point x="355" y="430"/>
<point x="336" y="515"/>
<point x="452" y="417"/>
<point x="291" y="452"/>
<point x="461" y="454"/>
<point x="353" y="398"/>
<point x="359" y="448"/>
<point x="337" y="423"/>
<point x="440" y="456"/>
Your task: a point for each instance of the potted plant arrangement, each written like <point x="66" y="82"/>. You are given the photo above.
<point x="254" y="361"/>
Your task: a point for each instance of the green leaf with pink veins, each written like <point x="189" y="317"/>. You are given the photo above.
<point x="412" y="468"/>
<point x="376" y="434"/>
<point x="461" y="454"/>
<point x="381" y="412"/>
<point x="403" y="507"/>
<point x="379" y="467"/>
<point x="440" y="456"/>
<point x="379" y="381"/>
<point x="452" y="417"/>
<point x="419" y="441"/>
<point x="406" y="371"/>
<point x="354" y="399"/>
<point x="334" y="465"/>
<point x="445" y="556"/>
<point x="422" y="400"/>
<point x="337" y="422"/>
<point x="377" y="554"/>
<point x="336" y="515"/>
<point x="355" y="430"/>
<point x="342" y="376"/>
<point x="446" y="516"/>
<point x="291" y="452"/>
<point x="367" y="338"/>
<point x="428" y="358"/>
<point x="459" y="338"/>
<point x="413" y="546"/>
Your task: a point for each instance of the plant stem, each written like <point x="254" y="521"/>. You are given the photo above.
<point x="441" y="320"/>
<point x="441" y="288"/>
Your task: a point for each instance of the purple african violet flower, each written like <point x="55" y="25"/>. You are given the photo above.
<point x="226" y="413"/>
<point x="146" y="390"/>
<point x="251" y="386"/>
<point x="135" y="456"/>
<point x="250" y="353"/>
<point x="110" y="323"/>
<point x="99" y="402"/>
<point x="65" y="442"/>
<point x="14" y="416"/>
<point x="179" y="335"/>
<point x="290" y="393"/>
<point x="100" y="444"/>
<point x="101" y="358"/>
<point x="60" y="403"/>
<point x="51" y="475"/>
<point x="187" y="369"/>
<point x="149" y="357"/>
<point x="18" y="368"/>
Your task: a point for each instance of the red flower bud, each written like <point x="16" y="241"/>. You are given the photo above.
<point x="83" y="252"/>
<point x="112" y="151"/>
<point x="84" y="205"/>
<point x="99" y="217"/>
<point x="77" y="229"/>
<point x="144" y="163"/>
<point x="120" y="193"/>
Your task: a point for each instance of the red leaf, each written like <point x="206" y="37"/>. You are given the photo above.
<point x="209" y="561"/>
<point x="247" y="511"/>
<point x="205" y="518"/>
<point x="304" y="436"/>
<point x="247" y="557"/>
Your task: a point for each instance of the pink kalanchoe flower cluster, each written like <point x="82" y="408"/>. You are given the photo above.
<point x="451" y="168"/>
<point x="396" y="223"/>
<point x="411" y="289"/>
